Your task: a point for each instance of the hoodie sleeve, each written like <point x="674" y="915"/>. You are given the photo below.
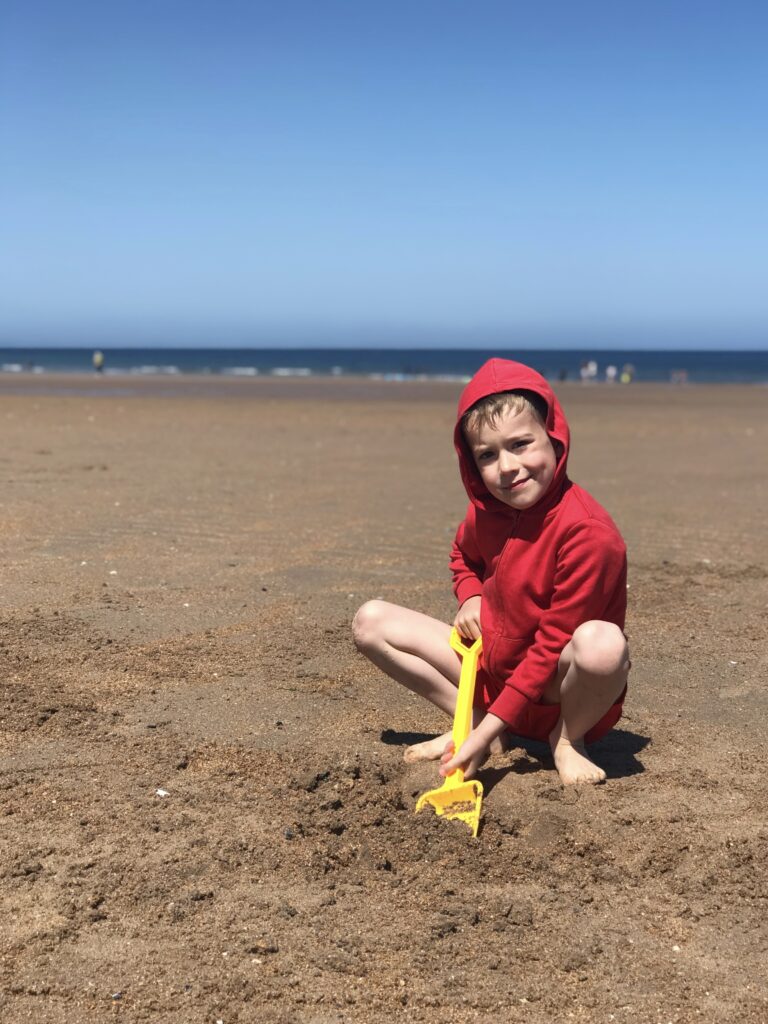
<point x="466" y="563"/>
<point x="590" y="583"/>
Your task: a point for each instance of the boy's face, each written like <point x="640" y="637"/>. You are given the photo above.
<point x="514" y="457"/>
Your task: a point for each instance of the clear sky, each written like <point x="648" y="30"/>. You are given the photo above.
<point x="364" y="172"/>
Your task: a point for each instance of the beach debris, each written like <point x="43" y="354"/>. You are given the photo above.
<point x="309" y="781"/>
<point x="117" y="996"/>
<point x="113" y="572"/>
<point x="162" y="792"/>
<point x="263" y="946"/>
<point x="733" y="663"/>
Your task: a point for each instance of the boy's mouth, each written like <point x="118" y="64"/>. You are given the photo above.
<point x="515" y="484"/>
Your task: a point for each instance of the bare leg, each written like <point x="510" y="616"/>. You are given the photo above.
<point x="412" y="649"/>
<point x="593" y="672"/>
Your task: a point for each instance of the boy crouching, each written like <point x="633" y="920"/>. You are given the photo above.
<point x="539" y="569"/>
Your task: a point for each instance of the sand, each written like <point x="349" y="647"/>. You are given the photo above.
<point x="206" y="816"/>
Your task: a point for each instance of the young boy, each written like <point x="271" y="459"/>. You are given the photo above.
<point x="539" y="568"/>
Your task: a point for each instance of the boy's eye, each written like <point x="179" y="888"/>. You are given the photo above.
<point x="484" y="456"/>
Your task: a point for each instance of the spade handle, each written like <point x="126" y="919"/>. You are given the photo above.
<point x="462" y="719"/>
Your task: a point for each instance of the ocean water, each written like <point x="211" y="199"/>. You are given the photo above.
<point x="746" y="367"/>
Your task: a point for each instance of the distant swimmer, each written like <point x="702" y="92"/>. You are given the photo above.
<point x="98" y="361"/>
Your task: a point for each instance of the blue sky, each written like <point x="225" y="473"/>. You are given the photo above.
<point x="426" y="172"/>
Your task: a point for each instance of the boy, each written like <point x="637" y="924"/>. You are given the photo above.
<point x="539" y="568"/>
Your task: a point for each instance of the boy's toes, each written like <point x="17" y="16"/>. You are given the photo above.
<point x="592" y="774"/>
<point x="429" y="750"/>
<point x="575" y="768"/>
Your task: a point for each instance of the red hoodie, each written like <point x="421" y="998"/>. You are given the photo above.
<point x="541" y="572"/>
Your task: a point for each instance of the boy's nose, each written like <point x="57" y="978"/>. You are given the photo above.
<point x="508" y="464"/>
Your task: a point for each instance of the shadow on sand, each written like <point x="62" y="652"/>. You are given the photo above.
<point x="616" y="753"/>
<point x="405" y="739"/>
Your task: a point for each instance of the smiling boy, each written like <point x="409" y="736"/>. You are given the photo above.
<point x="539" y="568"/>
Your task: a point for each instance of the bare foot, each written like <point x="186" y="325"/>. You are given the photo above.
<point x="572" y="762"/>
<point x="433" y="750"/>
<point x="429" y="750"/>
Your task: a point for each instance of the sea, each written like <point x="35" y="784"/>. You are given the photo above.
<point x="683" y="366"/>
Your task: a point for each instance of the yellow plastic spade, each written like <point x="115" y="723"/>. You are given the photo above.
<point x="457" y="798"/>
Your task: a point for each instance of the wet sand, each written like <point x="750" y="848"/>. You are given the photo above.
<point x="181" y="560"/>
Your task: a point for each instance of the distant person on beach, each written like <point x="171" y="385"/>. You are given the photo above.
<point x="539" y="569"/>
<point x="98" y="361"/>
<point x="588" y="371"/>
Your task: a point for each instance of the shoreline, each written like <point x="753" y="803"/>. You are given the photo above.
<point x="314" y="386"/>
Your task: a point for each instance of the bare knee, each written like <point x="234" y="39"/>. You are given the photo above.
<point x="368" y="624"/>
<point x="600" y="648"/>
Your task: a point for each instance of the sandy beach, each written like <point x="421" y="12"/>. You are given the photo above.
<point x="206" y="815"/>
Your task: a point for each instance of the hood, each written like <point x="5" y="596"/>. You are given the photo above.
<point x="504" y="375"/>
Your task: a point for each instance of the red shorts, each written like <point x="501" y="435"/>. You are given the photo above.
<point x="541" y="719"/>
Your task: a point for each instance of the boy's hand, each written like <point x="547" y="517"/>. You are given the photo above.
<point x="474" y="751"/>
<point x="471" y="756"/>
<point x="467" y="619"/>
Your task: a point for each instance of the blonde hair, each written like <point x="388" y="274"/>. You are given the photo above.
<point x="485" y="412"/>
